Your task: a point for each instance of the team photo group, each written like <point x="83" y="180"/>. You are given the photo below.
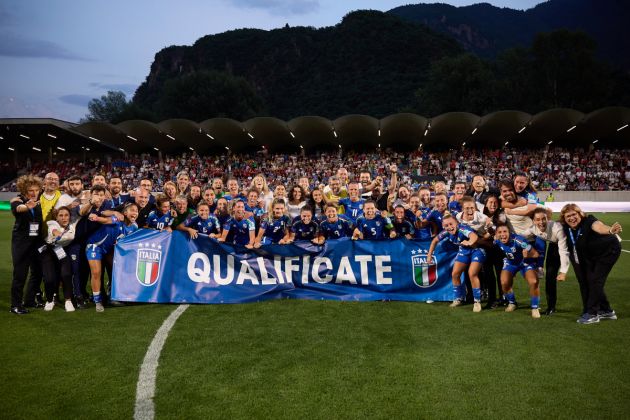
<point x="66" y="230"/>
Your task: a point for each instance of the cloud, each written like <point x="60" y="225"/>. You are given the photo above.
<point x="280" y="7"/>
<point x="127" y="88"/>
<point x="74" y="99"/>
<point x="13" y="45"/>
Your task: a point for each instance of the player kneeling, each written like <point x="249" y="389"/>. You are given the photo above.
<point x="204" y="223"/>
<point x="305" y="229"/>
<point x="334" y="227"/>
<point x="517" y="250"/>
<point x="101" y="243"/>
<point x="275" y="228"/>
<point x="467" y="257"/>
<point x="373" y="226"/>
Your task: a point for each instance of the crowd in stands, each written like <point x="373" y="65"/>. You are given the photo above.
<point x="67" y="222"/>
<point x="549" y="168"/>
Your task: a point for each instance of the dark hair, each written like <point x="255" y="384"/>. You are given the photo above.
<point x="306" y="208"/>
<point x="161" y="199"/>
<point x="292" y="189"/>
<point x="539" y="210"/>
<point x="74" y="178"/>
<point x="129" y="204"/>
<point x="98" y="188"/>
<point x="530" y="186"/>
<point x="507" y="183"/>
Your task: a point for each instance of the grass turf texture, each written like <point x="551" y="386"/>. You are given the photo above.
<point x="321" y="359"/>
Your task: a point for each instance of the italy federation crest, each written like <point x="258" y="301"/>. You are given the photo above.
<point x="424" y="275"/>
<point x="148" y="261"/>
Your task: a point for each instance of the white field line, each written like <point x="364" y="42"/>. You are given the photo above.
<point x="623" y="250"/>
<point x="145" y="391"/>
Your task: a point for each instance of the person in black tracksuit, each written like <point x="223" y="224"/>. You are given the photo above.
<point x="593" y="250"/>
<point x="25" y="239"/>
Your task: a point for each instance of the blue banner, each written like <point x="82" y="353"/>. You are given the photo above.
<point x="161" y="267"/>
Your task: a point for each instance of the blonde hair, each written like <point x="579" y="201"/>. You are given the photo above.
<point x="27" y="181"/>
<point x="570" y="207"/>
<point x="265" y="187"/>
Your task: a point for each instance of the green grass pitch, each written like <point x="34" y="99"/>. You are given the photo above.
<point x="318" y="359"/>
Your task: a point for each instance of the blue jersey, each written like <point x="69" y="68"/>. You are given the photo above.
<point x="454" y="207"/>
<point x="353" y="209"/>
<point x="423" y="233"/>
<point x="374" y="228"/>
<point x="120" y="200"/>
<point x="303" y="231"/>
<point x="513" y="250"/>
<point x="106" y="236"/>
<point x="208" y="226"/>
<point x="436" y="217"/>
<point x="241" y="197"/>
<point x="256" y="210"/>
<point x="155" y="220"/>
<point x="342" y="228"/>
<point x="223" y="218"/>
<point x="531" y="196"/>
<point x="239" y="229"/>
<point x="402" y="228"/>
<point x="275" y="229"/>
<point x="461" y="234"/>
<point x="541" y="247"/>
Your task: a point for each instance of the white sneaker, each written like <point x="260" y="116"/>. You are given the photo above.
<point x="540" y="273"/>
<point x="100" y="307"/>
<point x="49" y="306"/>
<point x="510" y="308"/>
<point x="535" y="313"/>
<point x="69" y="306"/>
<point x="477" y="307"/>
<point x="456" y="302"/>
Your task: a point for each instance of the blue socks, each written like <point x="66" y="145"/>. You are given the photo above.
<point x="97" y="297"/>
<point x="535" y="301"/>
<point x="476" y="294"/>
<point x="459" y="292"/>
<point x="510" y="297"/>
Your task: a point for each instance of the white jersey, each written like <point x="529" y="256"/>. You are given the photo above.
<point x="478" y="223"/>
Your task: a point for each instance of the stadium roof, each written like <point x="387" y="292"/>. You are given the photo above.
<point x="405" y="131"/>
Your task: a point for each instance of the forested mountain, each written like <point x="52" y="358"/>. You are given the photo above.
<point x="371" y="63"/>
<point x="486" y="30"/>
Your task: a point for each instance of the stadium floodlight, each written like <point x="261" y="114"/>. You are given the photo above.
<point x="595" y="141"/>
<point x="550" y="141"/>
<point x="420" y="144"/>
<point x="191" y="149"/>
<point x="571" y="129"/>
<point x="61" y="148"/>
<point x="622" y="127"/>
<point x="1" y="138"/>
<point x="379" y="145"/>
<point x="156" y="149"/>
<point x="209" y="136"/>
<point x="132" y="138"/>
<point x="379" y="133"/>
<point x="250" y="135"/>
<point x="87" y="148"/>
<point x="37" y="149"/>
<point x="301" y="147"/>
<point x="94" y="138"/>
<point x="170" y="137"/>
<point x="426" y="132"/>
<point x="121" y="149"/>
<point x="52" y="136"/>
<point x="24" y="136"/>
<point x="522" y="129"/>
<point x="11" y="149"/>
<point x="464" y="144"/>
<point x="506" y="143"/>
<point x="340" y="146"/>
<point x="334" y="133"/>
<point x="227" y="148"/>
<point x="473" y="132"/>
<point x="291" y="133"/>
